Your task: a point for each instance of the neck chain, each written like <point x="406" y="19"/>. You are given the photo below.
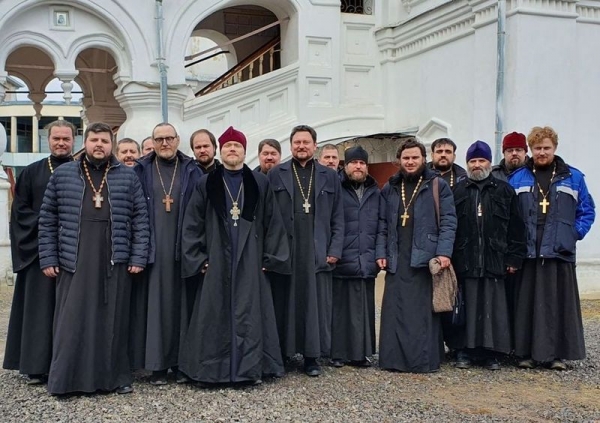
<point x="306" y="204"/>
<point x="405" y="216"/>
<point x="451" y="177"/>
<point x="167" y="201"/>
<point x="50" y="165"/>
<point x="545" y="203"/>
<point x="97" y="199"/>
<point x="235" y="210"/>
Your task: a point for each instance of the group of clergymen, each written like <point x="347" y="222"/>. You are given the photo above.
<point x="222" y="274"/>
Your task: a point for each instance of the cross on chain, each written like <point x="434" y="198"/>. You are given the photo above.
<point x="545" y="203"/>
<point x="235" y="213"/>
<point x="404" y="217"/>
<point x="98" y="199"/>
<point x="167" y="201"/>
<point x="306" y="206"/>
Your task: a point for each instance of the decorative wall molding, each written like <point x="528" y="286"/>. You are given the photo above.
<point x="450" y="21"/>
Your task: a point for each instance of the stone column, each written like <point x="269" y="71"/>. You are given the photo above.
<point x="5" y="263"/>
<point x="66" y="76"/>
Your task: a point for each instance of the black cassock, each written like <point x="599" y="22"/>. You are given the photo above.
<point x="29" y="339"/>
<point x="91" y="321"/>
<point x="410" y="335"/>
<point x="232" y="336"/>
<point x="164" y="280"/>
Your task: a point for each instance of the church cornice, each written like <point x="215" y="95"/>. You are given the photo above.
<point x="457" y="19"/>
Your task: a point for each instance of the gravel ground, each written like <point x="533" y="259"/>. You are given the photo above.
<point x="346" y="394"/>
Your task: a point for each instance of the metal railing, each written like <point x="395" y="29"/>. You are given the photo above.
<point x="264" y="60"/>
<point x="360" y="7"/>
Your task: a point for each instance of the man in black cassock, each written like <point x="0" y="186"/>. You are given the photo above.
<point x="490" y="243"/>
<point x="93" y="235"/>
<point x="168" y="178"/>
<point x="353" y="326"/>
<point x="232" y="234"/>
<point x="309" y="197"/>
<point x="558" y="211"/>
<point x="29" y="340"/>
<point x="409" y="237"/>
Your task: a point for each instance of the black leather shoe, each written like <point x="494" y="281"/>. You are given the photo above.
<point x="462" y="361"/>
<point x="336" y="362"/>
<point x="492" y="364"/>
<point x="311" y="367"/>
<point x="125" y="389"/>
<point x="159" y="378"/>
<point x="558" y="364"/>
<point x="363" y="363"/>
<point x="526" y="363"/>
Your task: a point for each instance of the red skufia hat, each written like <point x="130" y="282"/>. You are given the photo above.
<point x="232" y="135"/>
<point x="514" y="140"/>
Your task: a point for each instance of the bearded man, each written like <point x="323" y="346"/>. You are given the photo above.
<point x="490" y="243"/>
<point x="93" y="235"/>
<point x="329" y="156"/>
<point x="558" y="211"/>
<point x="409" y="237"/>
<point x="163" y="300"/>
<point x="353" y="328"/>
<point x="29" y="338"/>
<point x="269" y="155"/>
<point x="232" y="234"/>
<point x="204" y="146"/>
<point x="443" y="156"/>
<point x="514" y="149"/>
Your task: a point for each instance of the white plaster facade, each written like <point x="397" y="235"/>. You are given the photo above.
<point x="418" y="66"/>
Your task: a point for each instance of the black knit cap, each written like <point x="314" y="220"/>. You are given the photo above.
<point x="356" y="153"/>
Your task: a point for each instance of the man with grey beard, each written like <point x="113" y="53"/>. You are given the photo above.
<point x="490" y="243"/>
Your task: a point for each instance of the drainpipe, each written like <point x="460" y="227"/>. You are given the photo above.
<point x="160" y="60"/>
<point x="500" y="79"/>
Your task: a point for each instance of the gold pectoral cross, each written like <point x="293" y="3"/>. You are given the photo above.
<point x="545" y="203"/>
<point x="235" y="213"/>
<point x="306" y="206"/>
<point x="404" y="217"/>
<point x="98" y="199"/>
<point x="167" y="201"/>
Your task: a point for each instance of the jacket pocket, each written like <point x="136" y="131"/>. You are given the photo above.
<point x="566" y="237"/>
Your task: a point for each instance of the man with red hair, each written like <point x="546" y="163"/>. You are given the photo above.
<point x="558" y="211"/>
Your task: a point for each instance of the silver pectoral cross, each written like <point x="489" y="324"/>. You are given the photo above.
<point x="306" y="206"/>
<point x="235" y="213"/>
<point x="98" y="199"/>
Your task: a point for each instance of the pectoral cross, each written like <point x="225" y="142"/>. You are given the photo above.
<point x="235" y="213"/>
<point x="306" y="206"/>
<point x="479" y="211"/>
<point x="98" y="199"/>
<point x="404" y="217"/>
<point x="545" y="203"/>
<point x="167" y="201"/>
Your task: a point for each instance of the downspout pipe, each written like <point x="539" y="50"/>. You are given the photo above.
<point x="160" y="60"/>
<point x="501" y="39"/>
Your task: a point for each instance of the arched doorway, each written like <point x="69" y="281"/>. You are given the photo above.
<point x="249" y="34"/>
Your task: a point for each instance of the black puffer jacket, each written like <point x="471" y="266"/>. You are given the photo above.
<point x="61" y="212"/>
<point x="486" y="250"/>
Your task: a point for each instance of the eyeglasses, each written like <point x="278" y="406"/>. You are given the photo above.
<point x="160" y="140"/>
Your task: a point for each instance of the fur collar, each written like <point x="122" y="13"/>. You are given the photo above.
<point x="216" y="192"/>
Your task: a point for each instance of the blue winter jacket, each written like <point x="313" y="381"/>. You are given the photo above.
<point x="570" y="215"/>
<point x="189" y="175"/>
<point x="429" y="241"/>
<point x="61" y="213"/>
<point x="360" y="230"/>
